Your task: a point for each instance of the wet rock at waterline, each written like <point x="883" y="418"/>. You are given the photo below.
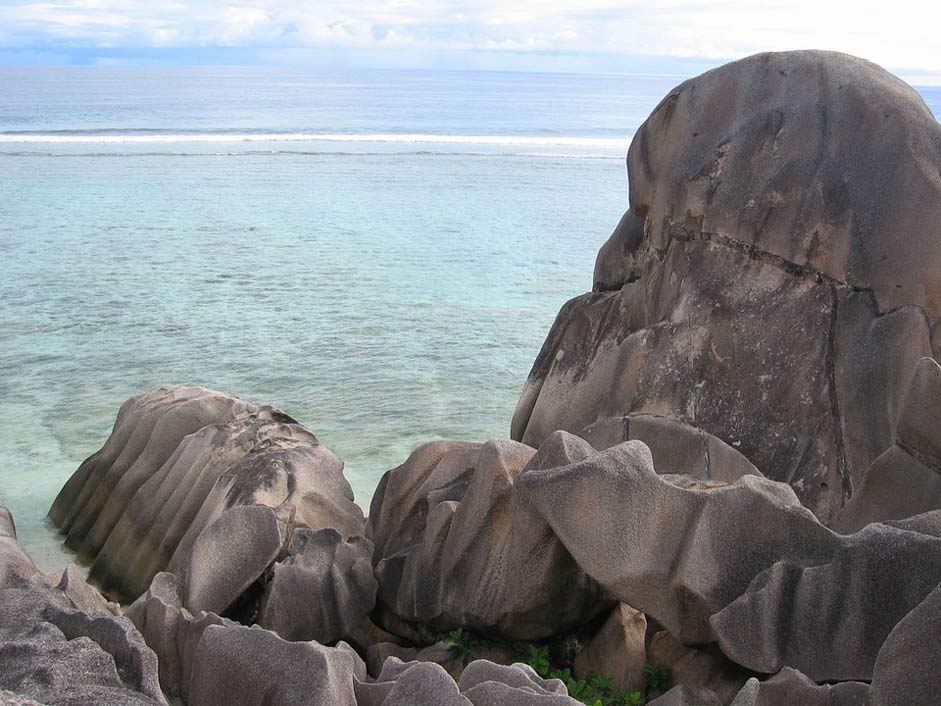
<point x="223" y="494"/>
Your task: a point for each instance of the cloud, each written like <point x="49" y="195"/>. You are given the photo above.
<point x="900" y="35"/>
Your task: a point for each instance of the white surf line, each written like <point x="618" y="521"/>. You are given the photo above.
<point x="312" y="137"/>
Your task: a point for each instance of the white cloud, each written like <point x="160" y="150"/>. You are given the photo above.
<point x="900" y="35"/>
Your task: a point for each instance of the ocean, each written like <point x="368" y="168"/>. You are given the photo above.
<point x="380" y="254"/>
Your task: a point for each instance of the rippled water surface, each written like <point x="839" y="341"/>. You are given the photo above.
<point x="380" y="255"/>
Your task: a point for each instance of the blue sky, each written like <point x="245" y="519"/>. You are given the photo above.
<point x="578" y="35"/>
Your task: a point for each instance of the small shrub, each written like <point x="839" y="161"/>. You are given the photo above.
<point x="657" y="677"/>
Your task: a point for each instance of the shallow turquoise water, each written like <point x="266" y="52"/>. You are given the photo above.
<point x="383" y="291"/>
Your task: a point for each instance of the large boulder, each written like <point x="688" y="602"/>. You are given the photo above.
<point x="213" y="489"/>
<point x="456" y="546"/>
<point x="775" y="280"/>
<point x="677" y="548"/>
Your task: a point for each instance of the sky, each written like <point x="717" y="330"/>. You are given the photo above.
<point x="662" y="36"/>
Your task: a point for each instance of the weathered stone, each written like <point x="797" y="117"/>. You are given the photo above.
<point x="677" y="554"/>
<point x="828" y="620"/>
<point x="171" y="631"/>
<point x="439" y="653"/>
<point x="791" y="688"/>
<point x="179" y="459"/>
<point x="241" y="666"/>
<point x="686" y="695"/>
<point x="424" y="683"/>
<point x="322" y="590"/>
<point x="57" y="655"/>
<point x="908" y="668"/>
<point x="677" y="448"/>
<point x="488" y="684"/>
<point x="83" y="596"/>
<point x="455" y="548"/>
<point x="15" y="564"/>
<point x="906" y="479"/>
<point x="703" y="666"/>
<point x="751" y="291"/>
<point x="896" y="486"/>
<point x="229" y="556"/>
<point x="618" y="650"/>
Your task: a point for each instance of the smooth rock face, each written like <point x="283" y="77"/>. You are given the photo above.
<point x="829" y="620"/>
<point x="228" y="556"/>
<point x="908" y="669"/>
<point x="773" y="281"/>
<point x="57" y="650"/>
<point x="455" y="546"/>
<point x="240" y="666"/>
<point x="618" y="650"/>
<point x="906" y="479"/>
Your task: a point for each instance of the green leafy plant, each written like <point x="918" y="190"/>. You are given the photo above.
<point x="461" y="645"/>
<point x="593" y="690"/>
<point x="657" y="677"/>
<point x="538" y="659"/>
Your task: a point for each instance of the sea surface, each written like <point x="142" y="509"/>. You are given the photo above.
<point x="380" y="254"/>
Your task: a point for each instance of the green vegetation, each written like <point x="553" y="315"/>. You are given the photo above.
<point x="658" y="678"/>
<point x="593" y="690"/>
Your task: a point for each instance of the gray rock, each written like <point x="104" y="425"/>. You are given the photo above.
<point x="618" y="651"/>
<point x="57" y="655"/>
<point x="829" y="620"/>
<point x="677" y="448"/>
<point x="676" y="553"/>
<point x="229" y="556"/>
<point x="83" y="596"/>
<point x="488" y="684"/>
<point x="685" y="695"/>
<point x="908" y="668"/>
<point x="791" y="688"/>
<point x="117" y="636"/>
<point x="704" y="666"/>
<point x="906" y="479"/>
<point x="179" y="458"/>
<point x="455" y="547"/>
<point x="15" y="564"/>
<point x="751" y="292"/>
<point x="171" y="631"/>
<point x="241" y="666"/>
<point x="322" y="590"/>
<point x="439" y="653"/>
<point x="424" y="683"/>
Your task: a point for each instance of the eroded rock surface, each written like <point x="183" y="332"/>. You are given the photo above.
<point x="775" y="280"/>
<point x="61" y="646"/>
<point x="214" y="490"/>
<point x="456" y="546"/>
